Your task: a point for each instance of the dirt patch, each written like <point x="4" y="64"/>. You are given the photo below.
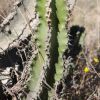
<point x="87" y="14"/>
<point x="5" y="8"/>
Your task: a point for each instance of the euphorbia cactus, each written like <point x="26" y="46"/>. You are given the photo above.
<point x="50" y="41"/>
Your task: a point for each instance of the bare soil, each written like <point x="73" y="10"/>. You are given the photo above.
<point x="87" y="14"/>
<point x="5" y="8"/>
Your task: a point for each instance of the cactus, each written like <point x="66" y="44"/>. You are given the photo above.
<point x="50" y="39"/>
<point x="51" y="42"/>
<point x="46" y="45"/>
